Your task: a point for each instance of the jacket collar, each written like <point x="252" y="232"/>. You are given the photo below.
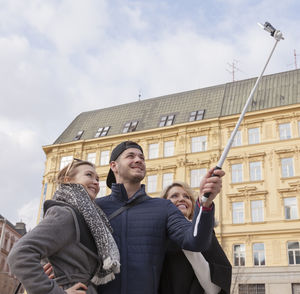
<point x="119" y="192"/>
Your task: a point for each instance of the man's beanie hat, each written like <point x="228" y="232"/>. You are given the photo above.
<point x="118" y="150"/>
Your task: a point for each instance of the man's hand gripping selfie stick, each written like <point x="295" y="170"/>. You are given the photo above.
<point x="277" y="36"/>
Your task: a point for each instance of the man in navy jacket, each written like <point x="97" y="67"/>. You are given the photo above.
<point x="142" y="230"/>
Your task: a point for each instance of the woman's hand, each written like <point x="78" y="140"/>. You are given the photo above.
<point x="212" y="185"/>
<point x="48" y="270"/>
<point x="78" y="288"/>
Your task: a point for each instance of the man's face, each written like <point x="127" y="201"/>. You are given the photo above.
<point x="129" y="166"/>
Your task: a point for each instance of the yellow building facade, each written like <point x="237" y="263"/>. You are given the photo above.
<point x="258" y="209"/>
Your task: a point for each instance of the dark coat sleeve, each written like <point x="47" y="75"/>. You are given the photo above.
<point x="180" y="230"/>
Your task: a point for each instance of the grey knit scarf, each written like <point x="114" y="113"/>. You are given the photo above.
<point x="96" y="220"/>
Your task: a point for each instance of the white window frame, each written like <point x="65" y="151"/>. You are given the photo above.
<point x="166" y="120"/>
<point x="293" y="253"/>
<point x="130" y="126"/>
<point x="285" y="131"/>
<point x="104" y="157"/>
<point x="196" y="176"/>
<point x="258" y="252"/>
<point x="196" y="115"/>
<point x="290" y="208"/>
<point x="153" y="150"/>
<point x="91" y="157"/>
<point x="152" y="183"/>
<point x="169" y="147"/>
<point x="287" y="167"/>
<point x="253" y="136"/>
<point x="198" y="144"/>
<point x="167" y="179"/>
<point x="238" y="212"/>
<point x="237" y="173"/>
<point x="65" y="160"/>
<point x="255" y="170"/>
<point x="101" y="132"/>
<point x="239" y="255"/>
<point x="257" y="211"/>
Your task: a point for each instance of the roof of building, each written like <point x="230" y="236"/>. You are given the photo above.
<point x="20" y="227"/>
<point x="222" y="100"/>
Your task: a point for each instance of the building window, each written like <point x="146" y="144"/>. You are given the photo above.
<point x="166" y="120"/>
<point x="294" y="252"/>
<point x="167" y="179"/>
<point x="102" y="132"/>
<point x="239" y="254"/>
<point x="196" y="115"/>
<point x="91" y="157"/>
<point x="104" y="157"/>
<point x="237" y="173"/>
<point x="78" y="136"/>
<point x="252" y="289"/>
<point x="65" y="160"/>
<point x="151" y="183"/>
<point x="198" y="144"/>
<point x="237" y="141"/>
<point x="130" y="126"/>
<point x="259" y="254"/>
<point x="285" y="131"/>
<point x="290" y="208"/>
<point x="153" y="151"/>
<point x="287" y="167"/>
<point x="238" y="212"/>
<point x="44" y="197"/>
<point x="253" y="136"/>
<point x="257" y="211"/>
<point x="169" y="148"/>
<point x="196" y="177"/>
<point x="102" y="190"/>
<point x="255" y="171"/>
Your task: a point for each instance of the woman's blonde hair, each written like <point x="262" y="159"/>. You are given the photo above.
<point x="69" y="171"/>
<point x="190" y="192"/>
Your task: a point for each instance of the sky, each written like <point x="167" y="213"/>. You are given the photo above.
<point x="59" y="58"/>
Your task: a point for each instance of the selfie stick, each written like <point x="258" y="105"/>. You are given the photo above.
<point x="277" y="36"/>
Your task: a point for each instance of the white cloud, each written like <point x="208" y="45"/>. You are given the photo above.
<point x="28" y="213"/>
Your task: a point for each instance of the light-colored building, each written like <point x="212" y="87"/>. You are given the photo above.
<point x="9" y="234"/>
<point x="183" y="135"/>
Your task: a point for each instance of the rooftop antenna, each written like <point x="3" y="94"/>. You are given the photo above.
<point x="140" y="95"/>
<point x="295" y="59"/>
<point x="277" y="35"/>
<point x="233" y="68"/>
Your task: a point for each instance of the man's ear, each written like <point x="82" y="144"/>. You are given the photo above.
<point x="113" y="166"/>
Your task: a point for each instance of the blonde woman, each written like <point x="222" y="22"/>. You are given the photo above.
<point x="186" y="272"/>
<point x="75" y="236"/>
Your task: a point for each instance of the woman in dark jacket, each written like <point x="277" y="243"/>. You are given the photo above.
<point x="186" y="272"/>
<point x="75" y="236"/>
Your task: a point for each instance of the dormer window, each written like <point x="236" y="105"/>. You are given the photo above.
<point x="130" y="126"/>
<point x="102" y="132"/>
<point x="166" y="120"/>
<point x="78" y="136"/>
<point x="196" y="115"/>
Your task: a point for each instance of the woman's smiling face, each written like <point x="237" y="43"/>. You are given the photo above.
<point x="181" y="199"/>
<point x="87" y="177"/>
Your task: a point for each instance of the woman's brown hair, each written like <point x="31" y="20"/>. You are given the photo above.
<point x="69" y="171"/>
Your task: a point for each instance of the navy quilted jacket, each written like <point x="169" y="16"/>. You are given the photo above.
<point x="141" y="234"/>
